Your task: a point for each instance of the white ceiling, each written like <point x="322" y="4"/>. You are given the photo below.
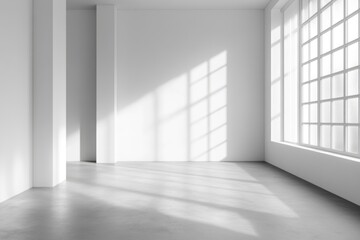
<point x="171" y="4"/>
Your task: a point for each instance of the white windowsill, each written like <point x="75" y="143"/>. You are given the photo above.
<point x="354" y="159"/>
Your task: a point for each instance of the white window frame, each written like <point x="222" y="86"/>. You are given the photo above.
<point x="318" y="78"/>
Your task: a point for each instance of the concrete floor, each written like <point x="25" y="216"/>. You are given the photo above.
<point x="166" y="201"/>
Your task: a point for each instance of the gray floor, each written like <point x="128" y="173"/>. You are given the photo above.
<point x="184" y="201"/>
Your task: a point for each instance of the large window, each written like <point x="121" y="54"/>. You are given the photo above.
<point x="320" y="74"/>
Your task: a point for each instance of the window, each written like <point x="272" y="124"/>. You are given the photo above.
<point x="319" y="102"/>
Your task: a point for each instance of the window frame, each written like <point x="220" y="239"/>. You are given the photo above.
<point x="319" y="77"/>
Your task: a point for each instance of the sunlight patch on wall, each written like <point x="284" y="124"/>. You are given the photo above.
<point x="181" y="120"/>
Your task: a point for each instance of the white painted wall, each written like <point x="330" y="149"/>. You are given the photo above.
<point x="160" y="56"/>
<point x="339" y="175"/>
<point x="81" y="85"/>
<point x="15" y="97"/>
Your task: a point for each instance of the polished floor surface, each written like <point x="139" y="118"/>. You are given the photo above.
<point x="182" y="201"/>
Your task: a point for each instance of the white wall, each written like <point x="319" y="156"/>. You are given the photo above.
<point x="339" y="175"/>
<point x="81" y="85"/>
<point x="15" y="97"/>
<point x="161" y="54"/>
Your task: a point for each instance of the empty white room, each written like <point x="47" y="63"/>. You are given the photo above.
<point x="179" y="119"/>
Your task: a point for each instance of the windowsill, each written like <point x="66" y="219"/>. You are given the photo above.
<point x="354" y="159"/>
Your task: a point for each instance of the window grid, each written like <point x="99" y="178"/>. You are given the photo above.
<point x="310" y="131"/>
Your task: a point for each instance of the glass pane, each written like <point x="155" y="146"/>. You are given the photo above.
<point x="305" y="53"/>
<point x="352" y="55"/>
<point x="313" y="69"/>
<point x="305" y="134"/>
<point x="338" y="86"/>
<point x="325" y="88"/>
<point x="305" y="10"/>
<point x="338" y="61"/>
<point x="352" y="109"/>
<point x="325" y="65"/>
<point x="313" y="112"/>
<point x="352" y="6"/>
<point x="305" y="93"/>
<point x="305" y="73"/>
<point x="338" y="138"/>
<point x="352" y="82"/>
<point x="314" y="48"/>
<point x="305" y="33"/>
<point x="352" y="142"/>
<point x="337" y="11"/>
<point x="325" y="19"/>
<point x="313" y="27"/>
<point x="313" y="135"/>
<point x="352" y="28"/>
<point x="325" y="112"/>
<point x="312" y="7"/>
<point x="338" y="36"/>
<point x="305" y="113"/>
<point x="313" y="91"/>
<point x="325" y="44"/>
<point x="325" y="136"/>
<point x="338" y="111"/>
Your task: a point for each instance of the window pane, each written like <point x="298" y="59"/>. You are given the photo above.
<point x="352" y="142"/>
<point x="314" y="48"/>
<point x="337" y="11"/>
<point x="325" y="88"/>
<point x="325" y="65"/>
<point x="338" y="61"/>
<point x="305" y="113"/>
<point x="325" y="136"/>
<point x="338" y="111"/>
<point x="325" y="112"/>
<point x="313" y="27"/>
<point x="313" y="135"/>
<point x="305" y="93"/>
<point x="313" y="91"/>
<point x="305" y="73"/>
<point x="325" y="19"/>
<point x="325" y="44"/>
<point x="305" y="53"/>
<point x="352" y="108"/>
<point x="313" y="69"/>
<point x="305" y="10"/>
<point x="352" y="6"/>
<point x="352" y="28"/>
<point x="305" y="134"/>
<point x="352" y="82"/>
<point x="353" y="55"/>
<point x="338" y="86"/>
<point x="338" y="138"/>
<point x="313" y="113"/>
<point x="338" y="36"/>
<point x="312" y="7"/>
<point x="305" y="33"/>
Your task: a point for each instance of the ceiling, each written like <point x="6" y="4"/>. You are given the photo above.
<point x="171" y="4"/>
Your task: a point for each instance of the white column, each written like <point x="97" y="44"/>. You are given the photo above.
<point x="49" y="92"/>
<point x="105" y="83"/>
